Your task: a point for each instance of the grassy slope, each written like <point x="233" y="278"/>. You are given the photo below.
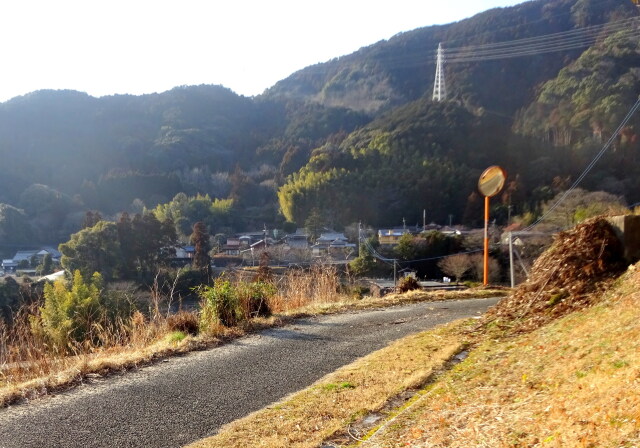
<point x="574" y="382"/>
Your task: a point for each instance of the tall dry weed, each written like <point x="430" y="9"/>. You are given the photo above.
<point x="27" y="354"/>
<point x="300" y="288"/>
<point x="24" y="354"/>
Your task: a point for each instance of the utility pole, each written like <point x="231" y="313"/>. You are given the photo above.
<point x="264" y="235"/>
<point x="424" y="220"/>
<point x="439" y="87"/>
<point x="395" y="283"/>
<point x="511" y="271"/>
<point x="359" y="237"/>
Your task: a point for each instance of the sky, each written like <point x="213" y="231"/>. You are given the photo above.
<point x="144" y="46"/>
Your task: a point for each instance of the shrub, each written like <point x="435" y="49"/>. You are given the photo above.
<point x="356" y="291"/>
<point x="254" y="298"/>
<point x="408" y="284"/>
<point x="220" y="303"/>
<point x="69" y="312"/>
<point x="183" y="321"/>
<point x="176" y="336"/>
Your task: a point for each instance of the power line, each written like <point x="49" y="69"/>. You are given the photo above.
<point x="533" y="52"/>
<point x="542" y="44"/>
<point x="593" y="162"/>
<point x="595" y="8"/>
<point x="390" y="261"/>
<point x="537" y="40"/>
<point x="561" y="41"/>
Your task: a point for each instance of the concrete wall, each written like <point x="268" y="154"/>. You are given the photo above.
<point x="627" y="228"/>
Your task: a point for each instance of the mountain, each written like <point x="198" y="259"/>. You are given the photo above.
<point x="394" y="72"/>
<point x="355" y="138"/>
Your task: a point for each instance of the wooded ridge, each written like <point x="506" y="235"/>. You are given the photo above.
<point x="355" y="138"/>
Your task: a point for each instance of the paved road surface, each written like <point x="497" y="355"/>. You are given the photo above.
<point x="187" y="398"/>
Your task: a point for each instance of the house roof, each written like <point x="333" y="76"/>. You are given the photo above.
<point x="55" y="253"/>
<point x="27" y="254"/>
<point x="392" y="232"/>
<point x="24" y="255"/>
<point x="331" y="237"/>
<point x="297" y="236"/>
<point x="340" y="244"/>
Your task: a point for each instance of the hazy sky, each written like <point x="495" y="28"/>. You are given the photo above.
<point x="142" y="46"/>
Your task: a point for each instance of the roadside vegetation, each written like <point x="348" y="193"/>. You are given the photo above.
<point x="545" y="367"/>
<point x="567" y="384"/>
<point x="84" y="329"/>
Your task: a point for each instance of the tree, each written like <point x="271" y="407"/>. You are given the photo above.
<point x="455" y="265"/>
<point x="152" y="241"/>
<point x="127" y="244"/>
<point x="200" y="239"/>
<point x="95" y="249"/>
<point x="14" y="226"/>
<point x="410" y="247"/>
<point x="69" y="312"/>
<point x="579" y="205"/>
<point x="314" y="224"/>
<point x="47" y="265"/>
<point x="10" y="298"/>
<point x="185" y="211"/>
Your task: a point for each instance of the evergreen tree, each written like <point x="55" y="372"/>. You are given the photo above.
<point x="200" y="239"/>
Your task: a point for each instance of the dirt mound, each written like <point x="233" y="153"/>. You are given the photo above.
<point x="567" y="277"/>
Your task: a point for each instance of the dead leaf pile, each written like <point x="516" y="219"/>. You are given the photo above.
<point x="567" y="277"/>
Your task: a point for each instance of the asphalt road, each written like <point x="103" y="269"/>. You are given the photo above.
<point x="187" y="398"/>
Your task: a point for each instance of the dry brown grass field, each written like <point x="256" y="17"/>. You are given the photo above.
<point x="572" y="383"/>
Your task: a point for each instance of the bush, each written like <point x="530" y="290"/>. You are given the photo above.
<point x="228" y="303"/>
<point x="408" y="284"/>
<point x="220" y="303"/>
<point x="356" y="291"/>
<point x="70" y="313"/>
<point x="183" y="321"/>
<point x="176" y="336"/>
<point x="254" y="298"/>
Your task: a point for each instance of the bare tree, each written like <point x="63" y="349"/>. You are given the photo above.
<point x="455" y="265"/>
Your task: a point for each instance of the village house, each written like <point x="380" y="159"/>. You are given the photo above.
<point x="330" y="242"/>
<point x="30" y="258"/>
<point x="185" y="252"/>
<point x="232" y="247"/>
<point x="298" y="240"/>
<point x="391" y="237"/>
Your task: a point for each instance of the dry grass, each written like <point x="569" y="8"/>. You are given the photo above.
<point x="308" y="417"/>
<point x="560" y="373"/>
<point x="569" y="276"/>
<point x="340" y="303"/>
<point x="572" y="383"/>
<point x="298" y="289"/>
<point x="29" y="368"/>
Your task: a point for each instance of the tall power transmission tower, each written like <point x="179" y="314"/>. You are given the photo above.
<point x="439" y="87"/>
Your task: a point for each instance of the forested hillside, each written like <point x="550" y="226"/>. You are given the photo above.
<point x="356" y="138"/>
